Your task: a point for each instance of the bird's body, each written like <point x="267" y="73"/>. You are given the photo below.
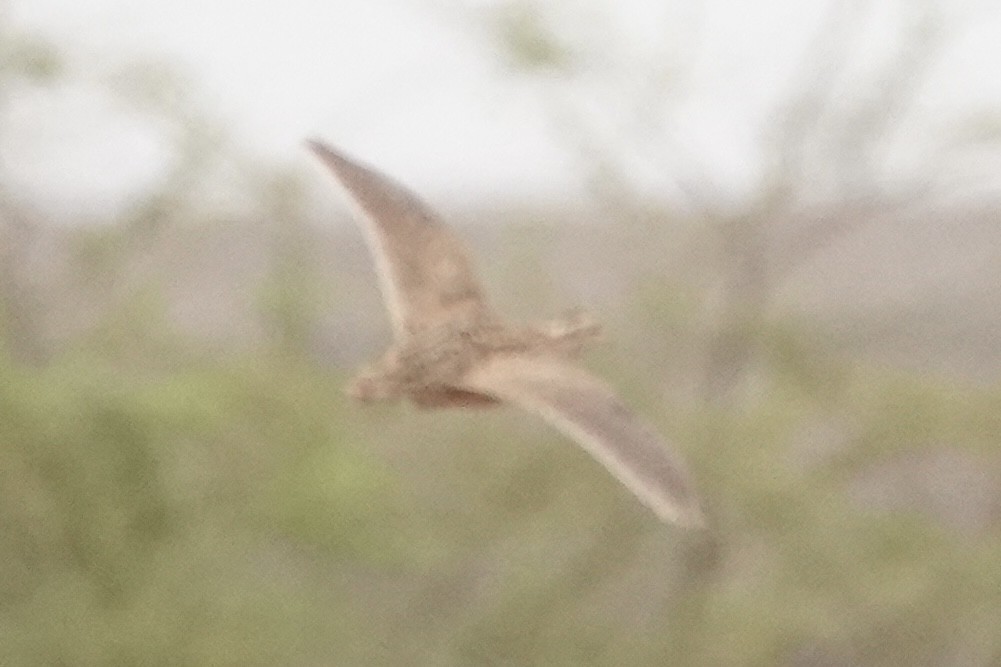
<point x="451" y="350"/>
<point x="428" y="367"/>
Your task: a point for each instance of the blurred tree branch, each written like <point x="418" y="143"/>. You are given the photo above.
<point x="25" y="60"/>
<point x="821" y="170"/>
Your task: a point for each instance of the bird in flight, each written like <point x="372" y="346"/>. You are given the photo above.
<point x="451" y="350"/>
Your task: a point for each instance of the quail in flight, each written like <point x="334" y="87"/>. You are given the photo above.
<point x="452" y="350"/>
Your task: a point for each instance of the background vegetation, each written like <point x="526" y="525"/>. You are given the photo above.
<point x="183" y="482"/>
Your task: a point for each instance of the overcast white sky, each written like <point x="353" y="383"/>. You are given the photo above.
<point x="413" y="86"/>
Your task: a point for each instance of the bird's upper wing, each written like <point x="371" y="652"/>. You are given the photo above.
<point x="424" y="270"/>
<point x="587" y="410"/>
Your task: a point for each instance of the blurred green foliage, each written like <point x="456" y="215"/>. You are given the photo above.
<point x="149" y="514"/>
<point x="166" y="505"/>
<point x="163" y="501"/>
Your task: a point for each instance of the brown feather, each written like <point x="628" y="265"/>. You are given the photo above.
<point x="587" y="410"/>
<point x="424" y="270"/>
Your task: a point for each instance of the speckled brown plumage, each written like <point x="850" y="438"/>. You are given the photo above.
<point x="451" y="349"/>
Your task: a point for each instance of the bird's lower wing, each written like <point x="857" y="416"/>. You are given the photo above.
<point x="587" y="410"/>
<point x="424" y="271"/>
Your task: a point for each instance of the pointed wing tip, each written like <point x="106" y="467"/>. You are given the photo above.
<point x="317" y="146"/>
<point x="694" y="519"/>
<point x="690" y="517"/>
<point x="333" y="159"/>
<point x="344" y="166"/>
